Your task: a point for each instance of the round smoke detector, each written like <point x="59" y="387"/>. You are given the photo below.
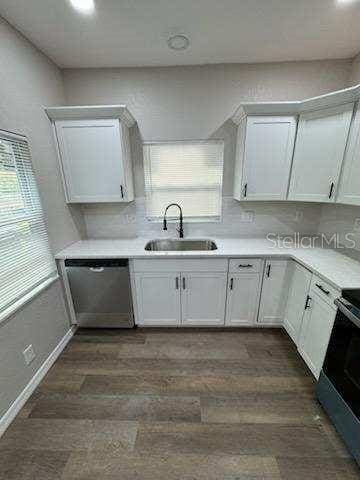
<point x="178" y="42"/>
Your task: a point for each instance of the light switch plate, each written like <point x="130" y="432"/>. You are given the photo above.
<point x="29" y="354"/>
<point x="357" y="225"/>
<point x="247" y="216"/>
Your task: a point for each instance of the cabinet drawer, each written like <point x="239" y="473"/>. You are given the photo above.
<point x="245" y="265"/>
<point x="181" y="265"/>
<point x="324" y="290"/>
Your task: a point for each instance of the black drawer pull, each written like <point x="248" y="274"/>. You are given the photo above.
<point x="307" y="303"/>
<point x="268" y="270"/>
<point x="245" y="265"/>
<point x="232" y="284"/>
<point x="320" y="287"/>
<point x="245" y="190"/>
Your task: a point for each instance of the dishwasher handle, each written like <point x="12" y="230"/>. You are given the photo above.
<point x="97" y="263"/>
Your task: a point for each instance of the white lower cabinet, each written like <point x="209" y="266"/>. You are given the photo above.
<point x="158" y="298"/>
<point x="182" y="295"/>
<point x="315" y="332"/>
<point x="242" y="299"/>
<point x="203" y="298"/>
<point x="299" y="288"/>
<point x="275" y="287"/>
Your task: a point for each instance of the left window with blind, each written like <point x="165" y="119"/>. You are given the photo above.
<point x="26" y="260"/>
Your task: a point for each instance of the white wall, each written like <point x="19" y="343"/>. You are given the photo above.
<point x="28" y="81"/>
<point x="177" y="103"/>
<point x="342" y="221"/>
<point x="354" y="77"/>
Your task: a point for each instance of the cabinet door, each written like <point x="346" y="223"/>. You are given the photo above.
<point x="268" y="153"/>
<point x="315" y="333"/>
<point x="319" y="152"/>
<point x="92" y="160"/>
<point x="299" y="288"/>
<point x="242" y="299"/>
<point x="274" y="292"/>
<point x="349" y="191"/>
<point x="203" y="298"/>
<point x="158" y="298"/>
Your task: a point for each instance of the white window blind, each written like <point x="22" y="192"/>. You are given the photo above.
<point x="25" y="257"/>
<point x="187" y="173"/>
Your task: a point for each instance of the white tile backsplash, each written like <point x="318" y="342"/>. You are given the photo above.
<point x="343" y="221"/>
<point x="245" y="219"/>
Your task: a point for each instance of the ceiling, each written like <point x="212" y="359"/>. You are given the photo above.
<point x="134" y="32"/>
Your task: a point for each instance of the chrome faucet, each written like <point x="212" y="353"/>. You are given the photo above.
<point x="180" y="229"/>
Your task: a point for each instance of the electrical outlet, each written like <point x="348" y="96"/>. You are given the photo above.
<point x="357" y="225"/>
<point x="247" y="216"/>
<point x="29" y="354"/>
<point x="299" y="215"/>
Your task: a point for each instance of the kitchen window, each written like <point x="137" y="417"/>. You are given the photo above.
<point x="25" y="257"/>
<point x="187" y="173"/>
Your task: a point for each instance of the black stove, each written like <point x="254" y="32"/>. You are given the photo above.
<point x="338" y="389"/>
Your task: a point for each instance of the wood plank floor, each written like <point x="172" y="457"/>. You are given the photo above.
<point x="175" y="405"/>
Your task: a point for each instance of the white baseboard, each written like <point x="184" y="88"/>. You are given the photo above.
<point x="20" y="401"/>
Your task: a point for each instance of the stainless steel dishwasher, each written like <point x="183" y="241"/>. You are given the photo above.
<point x="101" y="292"/>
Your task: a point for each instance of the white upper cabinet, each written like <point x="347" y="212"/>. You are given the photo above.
<point x="264" y="152"/>
<point x="349" y="190"/>
<point x="94" y="152"/>
<point x="95" y="160"/>
<point x="319" y="152"/>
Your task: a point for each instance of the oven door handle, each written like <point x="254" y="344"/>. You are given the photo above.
<point x="343" y="307"/>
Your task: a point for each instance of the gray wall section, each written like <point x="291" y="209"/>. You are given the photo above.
<point x="28" y="82"/>
<point x="42" y="323"/>
<point x="354" y="77"/>
<point x="177" y="103"/>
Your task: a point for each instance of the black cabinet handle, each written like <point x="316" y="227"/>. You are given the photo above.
<point x="243" y="265"/>
<point x="183" y="282"/>
<point x="231" y="284"/>
<point x="268" y="270"/>
<point x="307" y="303"/>
<point x="122" y="191"/>
<point x="177" y="283"/>
<point x="331" y="189"/>
<point x="245" y="190"/>
<point x="320" y="287"/>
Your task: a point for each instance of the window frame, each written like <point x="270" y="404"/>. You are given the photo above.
<point x="25" y="214"/>
<point x="190" y="219"/>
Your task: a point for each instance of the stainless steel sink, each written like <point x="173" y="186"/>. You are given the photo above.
<point x="180" y="245"/>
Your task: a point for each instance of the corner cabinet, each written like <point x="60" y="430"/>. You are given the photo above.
<point x="94" y="152"/>
<point x="349" y="191"/>
<point x="275" y="288"/>
<point x="300" y="279"/>
<point x="317" y="323"/>
<point x="319" y="151"/>
<point x="263" y="158"/>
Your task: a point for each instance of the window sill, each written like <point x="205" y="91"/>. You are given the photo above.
<point x="28" y="297"/>
<point x="185" y="220"/>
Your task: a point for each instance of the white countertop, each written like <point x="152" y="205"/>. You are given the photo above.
<point x="339" y="270"/>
